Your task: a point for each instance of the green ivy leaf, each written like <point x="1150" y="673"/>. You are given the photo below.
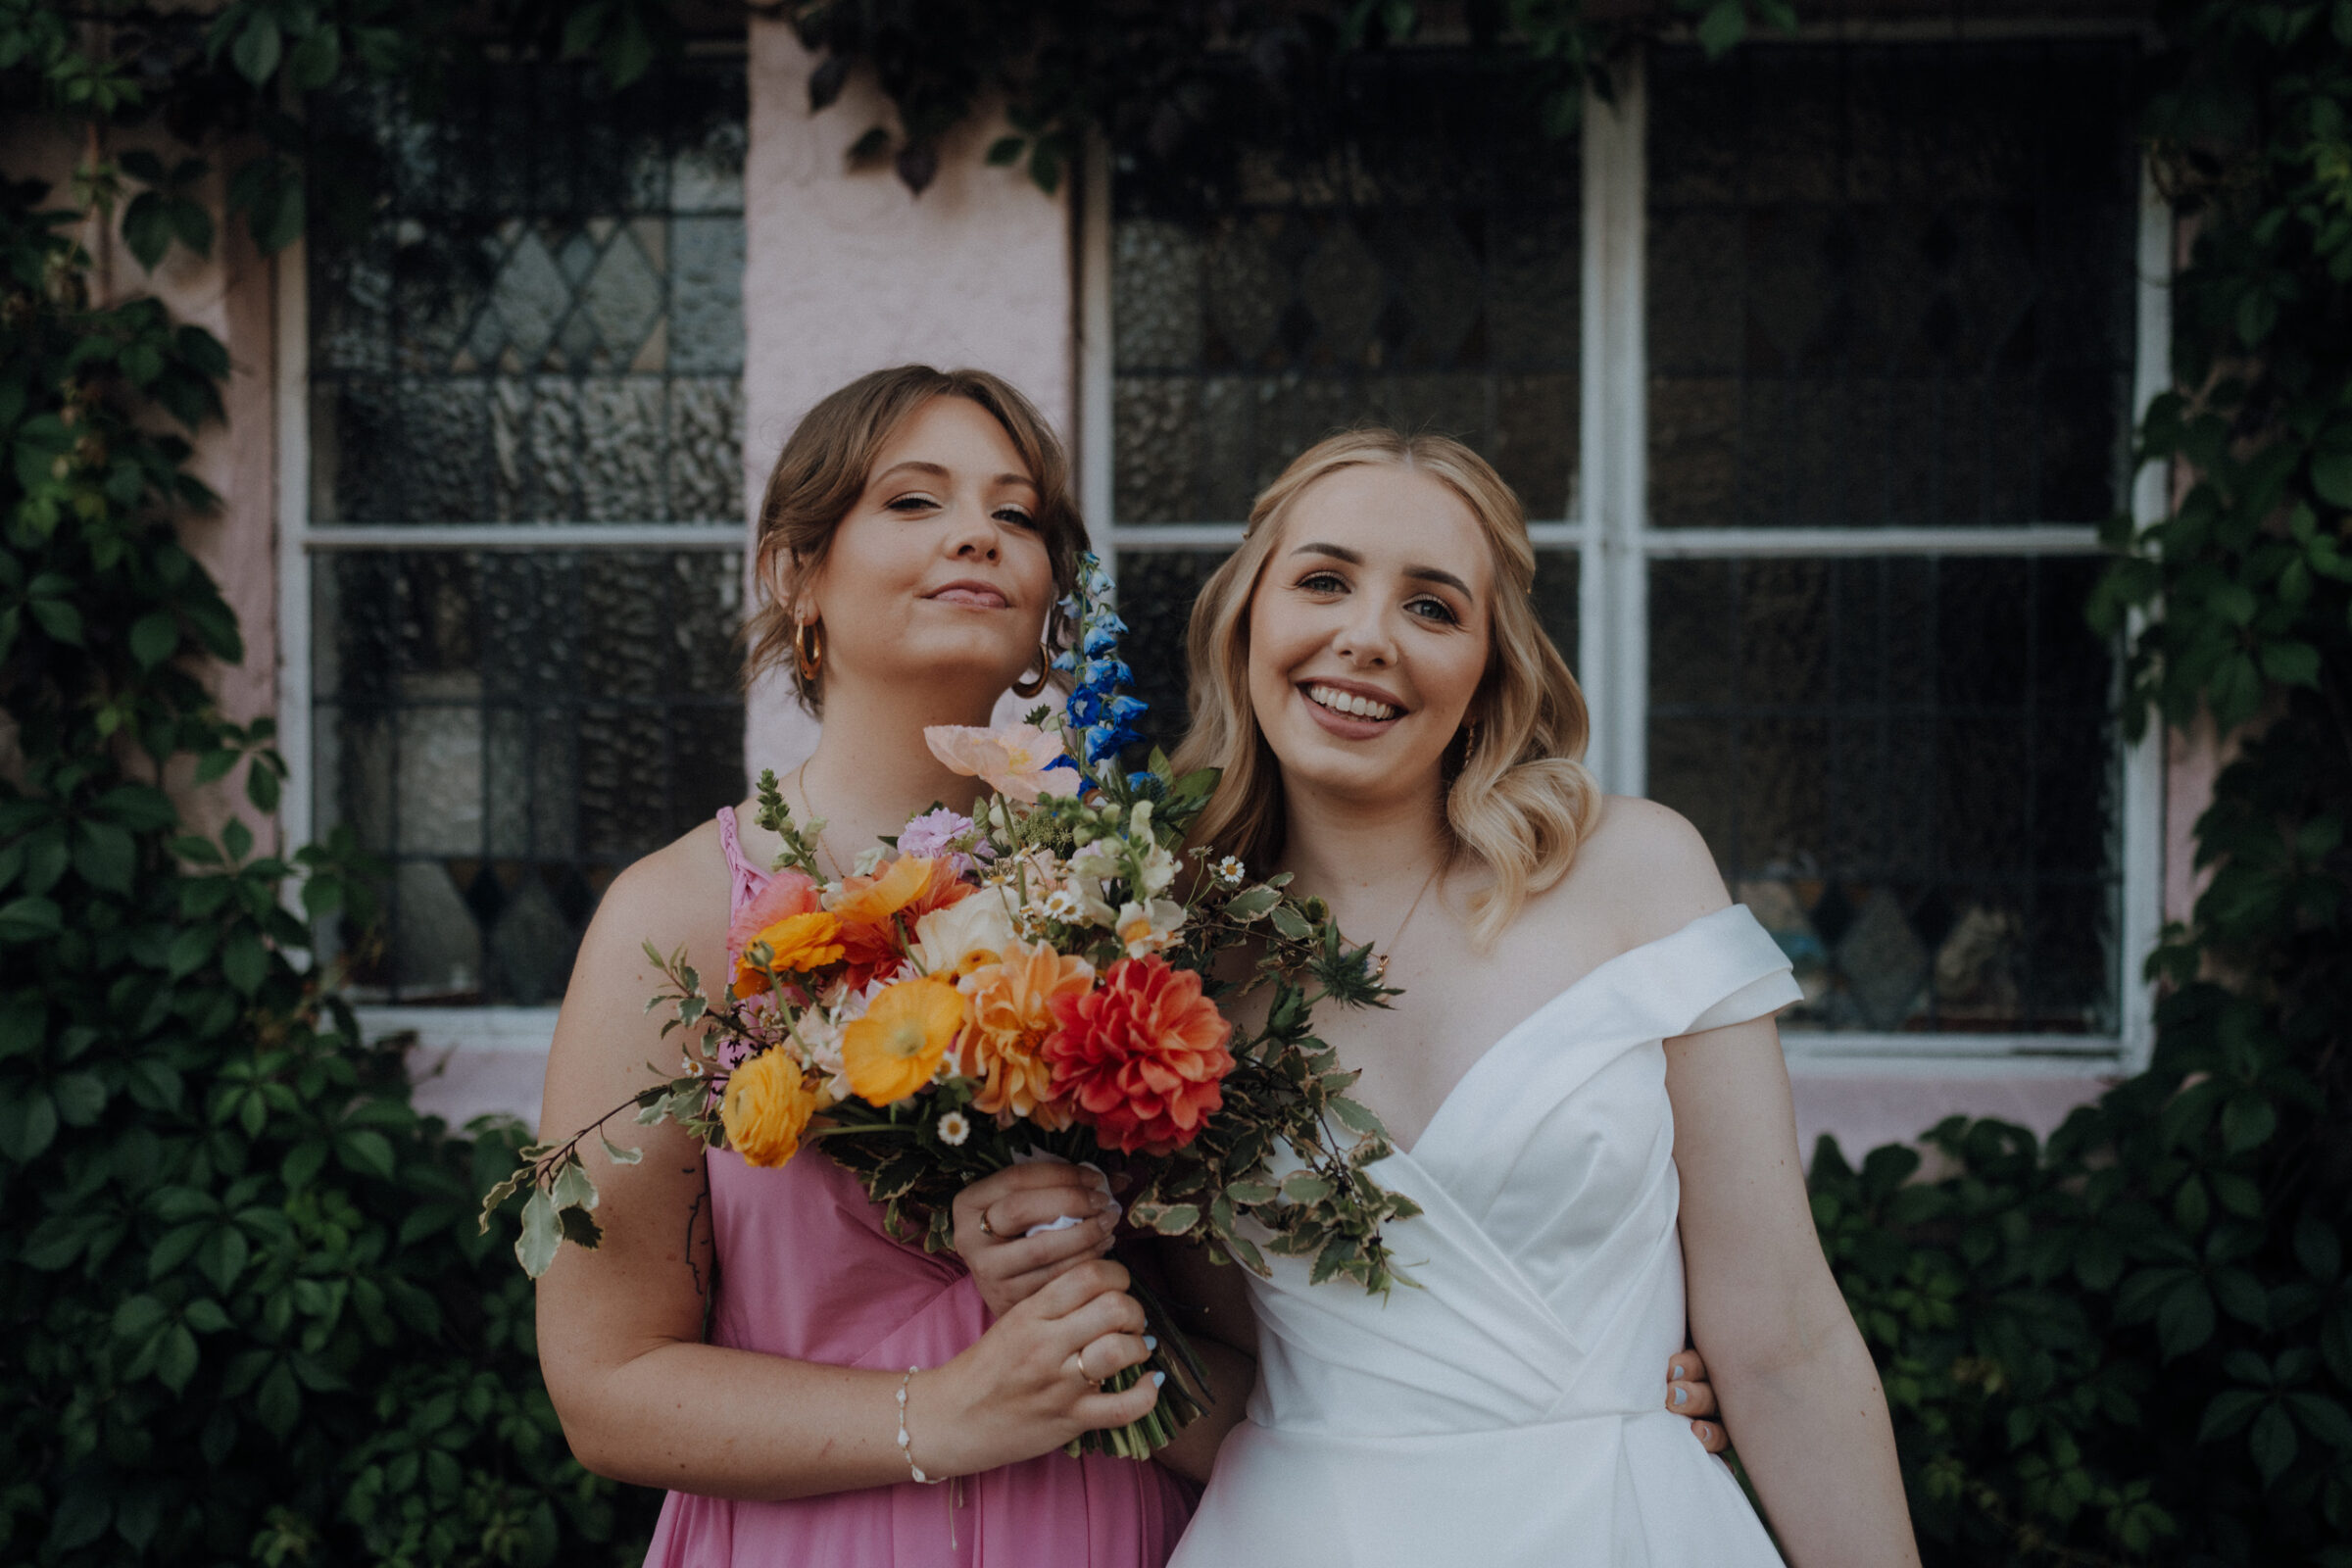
<point x="1723" y="25"/>
<point x="2274" y="1444"/>
<point x="258" y="48"/>
<point x="2332" y="479"/>
<point x="244" y="961"/>
<point x="313" y="61"/>
<point x="154" y="638"/>
<point x="29" y="920"/>
<point x="105" y="856"/>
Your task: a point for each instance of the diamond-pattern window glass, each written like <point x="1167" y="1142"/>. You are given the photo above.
<point x="545" y="323"/>
<point x="1420" y="267"/>
<point x="1906" y="767"/>
<point x="1891" y="286"/>
<point x="542" y="325"/>
<point x="509" y="728"/>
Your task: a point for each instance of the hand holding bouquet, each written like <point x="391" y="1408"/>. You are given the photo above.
<point x="1032" y="981"/>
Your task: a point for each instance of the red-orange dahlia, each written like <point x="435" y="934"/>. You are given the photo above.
<point x="1141" y="1056"/>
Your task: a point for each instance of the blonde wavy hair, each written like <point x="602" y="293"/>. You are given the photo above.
<point x="1520" y="800"/>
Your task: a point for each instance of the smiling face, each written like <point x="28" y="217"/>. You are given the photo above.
<point x="1368" y="632"/>
<point x="938" y="573"/>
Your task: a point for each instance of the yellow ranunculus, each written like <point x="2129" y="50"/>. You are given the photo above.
<point x="765" y="1109"/>
<point x="896" y="1047"/>
<point x="797" y="943"/>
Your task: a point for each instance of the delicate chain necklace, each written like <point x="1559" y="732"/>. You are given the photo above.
<point x="799" y="782"/>
<point x="1380" y="965"/>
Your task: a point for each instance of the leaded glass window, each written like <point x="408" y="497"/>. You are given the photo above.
<point x="1881" y="394"/>
<point x="1892" y="287"/>
<point x="526" y="383"/>
<point x="1420" y="268"/>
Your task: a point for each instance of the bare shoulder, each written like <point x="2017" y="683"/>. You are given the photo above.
<point x="673" y="897"/>
<point x="1649" y="867"/>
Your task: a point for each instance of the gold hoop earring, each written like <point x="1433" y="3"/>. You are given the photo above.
<point x="1469" y="740"/>
<point x="809" y="648"/>
<point x="1026" y="686"/>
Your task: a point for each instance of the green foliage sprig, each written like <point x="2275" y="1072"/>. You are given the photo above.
<point x="1150" y="74"/>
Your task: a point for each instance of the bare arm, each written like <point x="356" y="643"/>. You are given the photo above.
<point x="1796" y="1384"/>
<point x="642" y="1400"/>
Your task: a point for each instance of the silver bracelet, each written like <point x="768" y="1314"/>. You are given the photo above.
<point x="905" y="1451"/>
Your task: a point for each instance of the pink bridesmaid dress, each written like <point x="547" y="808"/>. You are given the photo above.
<point x="805" y="1270"/>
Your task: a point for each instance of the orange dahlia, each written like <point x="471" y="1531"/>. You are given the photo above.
<point x="765" y="1109"/>
<point x="896" y="1047"/>
<point x="1013" y="1012"/>
<point x="1141" y="1056"/>
<point x="878" y="912"/>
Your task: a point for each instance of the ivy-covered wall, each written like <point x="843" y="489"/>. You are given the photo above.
<point x="245" y="1317"/>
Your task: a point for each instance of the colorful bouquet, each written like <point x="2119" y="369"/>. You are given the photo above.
<point x="1035" y="980"/>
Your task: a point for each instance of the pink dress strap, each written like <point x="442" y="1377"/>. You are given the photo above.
<point x="744" y="879"/>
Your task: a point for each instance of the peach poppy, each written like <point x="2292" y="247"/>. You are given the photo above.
<point x="787" y="893"/>
<point x="1016" y="760"/>
<point x="895" y="1048"/>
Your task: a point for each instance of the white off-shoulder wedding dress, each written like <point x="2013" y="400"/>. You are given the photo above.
<point x="1508" y="1411"/>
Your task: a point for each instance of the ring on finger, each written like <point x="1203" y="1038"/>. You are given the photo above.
<point x="988" y="1230"/>
<point x="1083" y="1377"/>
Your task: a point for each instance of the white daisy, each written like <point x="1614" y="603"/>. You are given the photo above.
<point x="953" y="1128"/>
<point x="1230" y="871"/>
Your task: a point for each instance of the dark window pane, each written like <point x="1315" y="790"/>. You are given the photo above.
<point x="545" y="325"/>
<point x="1906" y="766"/>
<point x="1891" y="284"/>
<point x="510" y="728"/>
<point x="1420" y="268"/>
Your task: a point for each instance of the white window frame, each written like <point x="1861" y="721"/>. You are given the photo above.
<point x="1610" y="531"/>
<point x="439" y="1030"/>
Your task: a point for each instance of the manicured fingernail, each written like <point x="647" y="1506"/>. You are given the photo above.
<point x="1675" y="1371"/>
<point x="1681" y="1395"/>
<point x="1158" y="1378"/>
<point x="1150" y="1342"/>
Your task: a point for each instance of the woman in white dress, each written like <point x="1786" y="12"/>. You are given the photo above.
<point x="1581" y="1078"/>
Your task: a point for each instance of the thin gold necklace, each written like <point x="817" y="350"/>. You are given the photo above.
<point x="1380" y="965"/>
<point x="799" y="782"/>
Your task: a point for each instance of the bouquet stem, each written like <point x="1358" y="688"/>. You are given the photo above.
<point x="1183" y="1392"/>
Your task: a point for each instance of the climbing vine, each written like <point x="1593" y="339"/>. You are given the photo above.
<point x="243" y="1317"/>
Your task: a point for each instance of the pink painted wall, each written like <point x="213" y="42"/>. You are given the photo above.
<point x="849" y="273"/>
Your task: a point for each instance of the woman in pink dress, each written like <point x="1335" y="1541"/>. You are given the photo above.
<point x="743" y="1337"/>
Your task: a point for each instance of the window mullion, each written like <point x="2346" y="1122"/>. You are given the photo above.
<point x="1614" y="634"/>
<point x="2144" y="845"/>
<point x="291" y="278"/>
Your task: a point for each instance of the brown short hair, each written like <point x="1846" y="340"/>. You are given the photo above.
<point x="1522" y="800"/>
<point x="824" y="468"/>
